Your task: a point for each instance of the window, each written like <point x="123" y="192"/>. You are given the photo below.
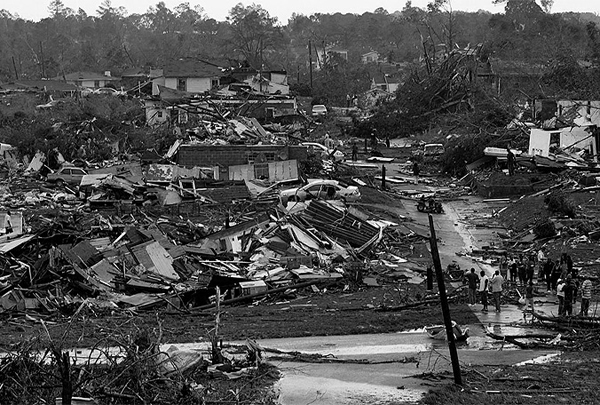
<point x="182" y="84"/>
<point x="159" y="114"/>
<point x="270" y="112"/>
<point x="261" y="171"/>
<point x="96" y="83"/>
<point x="214" y="83"/>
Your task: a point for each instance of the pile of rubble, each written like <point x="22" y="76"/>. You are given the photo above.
<point x="59" y="251"/>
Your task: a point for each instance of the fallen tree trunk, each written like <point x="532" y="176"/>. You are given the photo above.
<point x="264" y="293"/>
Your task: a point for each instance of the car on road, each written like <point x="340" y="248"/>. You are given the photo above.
<point x="319" y="110"/>
<point x="323" y="190"/>
<point x="67" y="175"/>
<point x="324" y="151"/>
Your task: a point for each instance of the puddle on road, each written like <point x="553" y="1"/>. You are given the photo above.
<point x="301" y="389"/>
<point x="540" y="360"/>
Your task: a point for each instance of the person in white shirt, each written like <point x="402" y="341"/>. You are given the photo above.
<point x="496" y="287"/>
<point x="484" y="282"/>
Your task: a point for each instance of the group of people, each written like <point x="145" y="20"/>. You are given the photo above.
<point x="485" y="285"/>
<point x="560" y="276"/>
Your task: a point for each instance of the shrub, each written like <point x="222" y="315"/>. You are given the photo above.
<point x="559" y="203"/>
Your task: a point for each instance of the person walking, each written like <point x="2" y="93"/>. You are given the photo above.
<point x="496" y="287"/>
<point x="484" y="282"/>
<point x="586" y="296"/>
<point x="560" y="294"/>
<point x="529" y="296"/>
<point x="472" y="280"/>
<point x="568" y="291"/>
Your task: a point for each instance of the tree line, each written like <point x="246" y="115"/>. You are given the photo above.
<point x="70" y="40"/>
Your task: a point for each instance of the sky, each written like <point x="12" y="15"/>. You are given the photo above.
<point x="283" y="9"/>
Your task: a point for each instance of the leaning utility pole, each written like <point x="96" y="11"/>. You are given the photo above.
<point x="435" y="255"/>
<point x="310" y="61"/>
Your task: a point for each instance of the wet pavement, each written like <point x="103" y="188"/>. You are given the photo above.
<point x="394" y="381"/>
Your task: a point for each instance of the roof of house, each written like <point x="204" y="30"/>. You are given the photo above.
<point x="135" y="72"/>
<point x="190" y="67"/>
<point x="83" y="75"/>
<point x="370" y="53"/>
<point x="384" y="79"/>
<point x="49" y="85"/>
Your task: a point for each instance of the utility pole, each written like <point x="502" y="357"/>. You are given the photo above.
<point x="43" y="63"/>
<point x="15" y="68"/>
<point x="261" y="66"/>
<point x="309" y="62"/>
<point x="435" y="255"/>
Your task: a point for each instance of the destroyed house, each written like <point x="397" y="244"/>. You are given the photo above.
<point x="267" y="81"/>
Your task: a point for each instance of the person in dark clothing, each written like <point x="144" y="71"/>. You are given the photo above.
<point x="530" y="270"/>
<point x="522" y="271"/>
<point x="416" y="169"/>
<point x="472" y="280"/>
<point x="548" y="268"/>
<point x="354" y="152"/>
<point x="555" y="274"/>
<point x="387" y="141"/>
<point x="510" y="157"/>
<point x="568" y="290"/>
<point x="513" y="270"/>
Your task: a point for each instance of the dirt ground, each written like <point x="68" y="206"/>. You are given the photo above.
<point x="333" y="312"/>
<point x="571" y="379"/>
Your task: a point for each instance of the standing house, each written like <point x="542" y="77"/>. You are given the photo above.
<point x="191" y="76"/>
<point x="89" y="79"/>
<point x="370" y="57"/>
<point x="384" y="82"/>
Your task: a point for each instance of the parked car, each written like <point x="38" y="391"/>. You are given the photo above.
<point x="324" y="151"/>
<point x="109" y="91"/>
<point x="433" y="149"/>
<point x="321" y="189"/>
<point x="67" y="175"/>
<point x="319" y="110"/>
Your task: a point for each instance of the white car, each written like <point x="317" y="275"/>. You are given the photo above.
<point x="324" y="151"/>
<point x="109" y="91"/>
<point x="323" y="190"/>
<point x="319" y="110"/>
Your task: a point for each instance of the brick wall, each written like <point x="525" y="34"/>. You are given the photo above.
<point x="231" y="155"/>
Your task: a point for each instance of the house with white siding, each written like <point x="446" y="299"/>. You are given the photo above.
<point x="189" y="75"/>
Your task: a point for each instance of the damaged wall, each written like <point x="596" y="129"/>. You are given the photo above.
<point x="272" y="171"/>
<point x="575" y="137"/>
<point x="236" y="155"/>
